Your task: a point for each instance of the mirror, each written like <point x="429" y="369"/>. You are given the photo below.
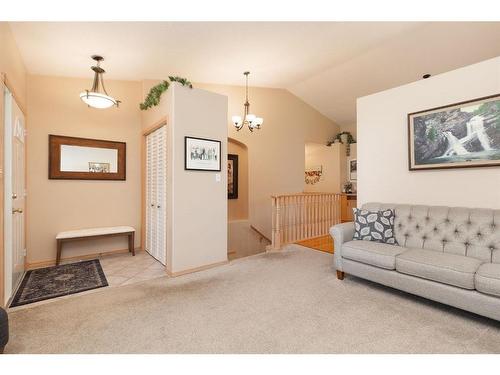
<point x="86" y="159"/>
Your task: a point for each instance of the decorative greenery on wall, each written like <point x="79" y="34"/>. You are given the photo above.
<point x="338" y="139"/>
<point x="154" y="95"/>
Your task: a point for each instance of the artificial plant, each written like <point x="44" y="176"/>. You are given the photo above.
<point x="154" y="95"/>
<point x="338" y="137"/>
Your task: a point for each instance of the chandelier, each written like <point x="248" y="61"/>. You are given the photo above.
<point x="97" y="97"/>
<point x="250" y="120"/>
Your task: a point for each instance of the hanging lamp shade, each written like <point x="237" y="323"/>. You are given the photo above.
<point x="97" y="96"/>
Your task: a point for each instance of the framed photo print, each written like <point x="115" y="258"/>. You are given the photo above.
<point x="232" y="176"/>
<point x="459" y="135"/>
<point x="353" y="169"/>
<point x="96" y="167"/>
<point x="202" y="154"/>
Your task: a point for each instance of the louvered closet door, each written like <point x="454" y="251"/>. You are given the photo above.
<point x="156" y="194"/>
<point x="161" y="195"/>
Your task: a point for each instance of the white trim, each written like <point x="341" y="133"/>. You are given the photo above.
<point x="8" y="289"/>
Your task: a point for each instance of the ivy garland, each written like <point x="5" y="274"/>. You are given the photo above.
<point x="338" y="137"/>
<point x="154" y="95"/>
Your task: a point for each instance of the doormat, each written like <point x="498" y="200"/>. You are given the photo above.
<point x="57" y="281"/>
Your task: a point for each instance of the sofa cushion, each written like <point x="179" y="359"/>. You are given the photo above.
<point x="373" y="253"/>
<point x="374" y="226"/>
<point x="452" y="269"/>
<point x="488" y="279"/>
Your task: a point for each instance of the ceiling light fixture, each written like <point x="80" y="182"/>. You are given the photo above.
<point x="252" y="121"/>
<point x="95" y="97"/>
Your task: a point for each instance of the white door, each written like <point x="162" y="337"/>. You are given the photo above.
<point x="156" y="180"/>
<point x="15" y="194"/>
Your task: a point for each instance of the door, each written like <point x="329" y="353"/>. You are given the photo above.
<point x="14" y="194"/>
<point x="156" y="164"/>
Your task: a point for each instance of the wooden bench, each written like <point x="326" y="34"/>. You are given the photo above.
<point x="83" y="234"/>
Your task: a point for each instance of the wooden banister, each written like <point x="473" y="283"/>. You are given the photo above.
<point x="300" y="216"/>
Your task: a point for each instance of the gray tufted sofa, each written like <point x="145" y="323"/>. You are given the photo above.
<point x="446" y="254"/>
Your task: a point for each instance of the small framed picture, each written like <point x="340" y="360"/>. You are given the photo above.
<point x="232" y="176"/>
<point x="202" y="154"/>
<point x="353" y="169"/>
<point x="95" y="167"/>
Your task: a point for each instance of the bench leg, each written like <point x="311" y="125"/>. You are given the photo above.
<point x="340" y="275"/>
<point x="59" y="250"/>
<point x="131" y="241"/>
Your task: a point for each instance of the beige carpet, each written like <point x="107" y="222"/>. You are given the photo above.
<point x="287" y="302"/>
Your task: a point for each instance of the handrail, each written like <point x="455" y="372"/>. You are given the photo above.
<point x="260" y="233"/>
<point x="301" y="216"/>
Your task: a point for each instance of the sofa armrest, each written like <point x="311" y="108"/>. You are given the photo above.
<point x="341" y="233"/>
<point x="4" y="329"/>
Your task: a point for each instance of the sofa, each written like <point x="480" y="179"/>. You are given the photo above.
<point x="446" y="254"/>
<point x="4" y="329"/>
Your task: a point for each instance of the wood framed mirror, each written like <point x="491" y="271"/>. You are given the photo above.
<point x="72" y="158"/>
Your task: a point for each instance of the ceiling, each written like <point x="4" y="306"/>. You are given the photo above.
<point x="327" y="64"/>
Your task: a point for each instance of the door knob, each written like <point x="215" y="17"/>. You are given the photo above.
<point x="157" y="206"/>
<point x="14" y="196"/>
<point x="19" y="211"/>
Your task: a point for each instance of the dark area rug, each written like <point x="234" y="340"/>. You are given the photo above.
<point x="51" y="282"/>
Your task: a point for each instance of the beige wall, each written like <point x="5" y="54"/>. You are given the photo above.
<point x="154" y="114"/>
<point x="54" y="107"/>
<point x="383" y="173"/>
<point x="197" y="208"/>
<point x="237" y="209"/>
<point x="199" y="199"/>
<point x="276" y="152"/>
<point x="12" y="64"/>
<point x="317" y="154"/>
<point x="275" y="158"/>
<point x="351" y="128"/>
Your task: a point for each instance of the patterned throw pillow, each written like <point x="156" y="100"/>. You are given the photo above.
<point x="374" y="226"/>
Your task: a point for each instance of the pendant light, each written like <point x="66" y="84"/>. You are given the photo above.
<point x="249" y="119"/>
<point x="97" y="97"/>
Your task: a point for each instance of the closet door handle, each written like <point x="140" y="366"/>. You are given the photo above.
<point x="157" y="206"/>
<point x="152" y="205"/>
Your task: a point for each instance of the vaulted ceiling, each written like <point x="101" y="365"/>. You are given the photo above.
<point x="326" y="64"/>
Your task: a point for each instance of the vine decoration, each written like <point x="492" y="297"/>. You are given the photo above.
<point x="338" y="139"/>
<point x="154" y="95"/>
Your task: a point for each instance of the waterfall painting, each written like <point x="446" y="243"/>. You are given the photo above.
<point x="465" y="134"/>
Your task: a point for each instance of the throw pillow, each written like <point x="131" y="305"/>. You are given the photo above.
<point x="374" y="226"/>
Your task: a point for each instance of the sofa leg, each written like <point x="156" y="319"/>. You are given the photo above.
<point x="340" y="275"/>
<point x="1" y="349"/>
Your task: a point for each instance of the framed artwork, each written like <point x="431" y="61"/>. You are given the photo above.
<point x="95" y="167"/>
<point x="460" y="135"/>
<point x="202" y="154"/>
<point x="232" y="176"/>
<point x="353" y="169"/>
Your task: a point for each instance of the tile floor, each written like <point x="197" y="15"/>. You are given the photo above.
<point x="124" y="269"/>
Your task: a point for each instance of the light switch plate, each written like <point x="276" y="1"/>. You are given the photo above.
<point x="217" y="177"/>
